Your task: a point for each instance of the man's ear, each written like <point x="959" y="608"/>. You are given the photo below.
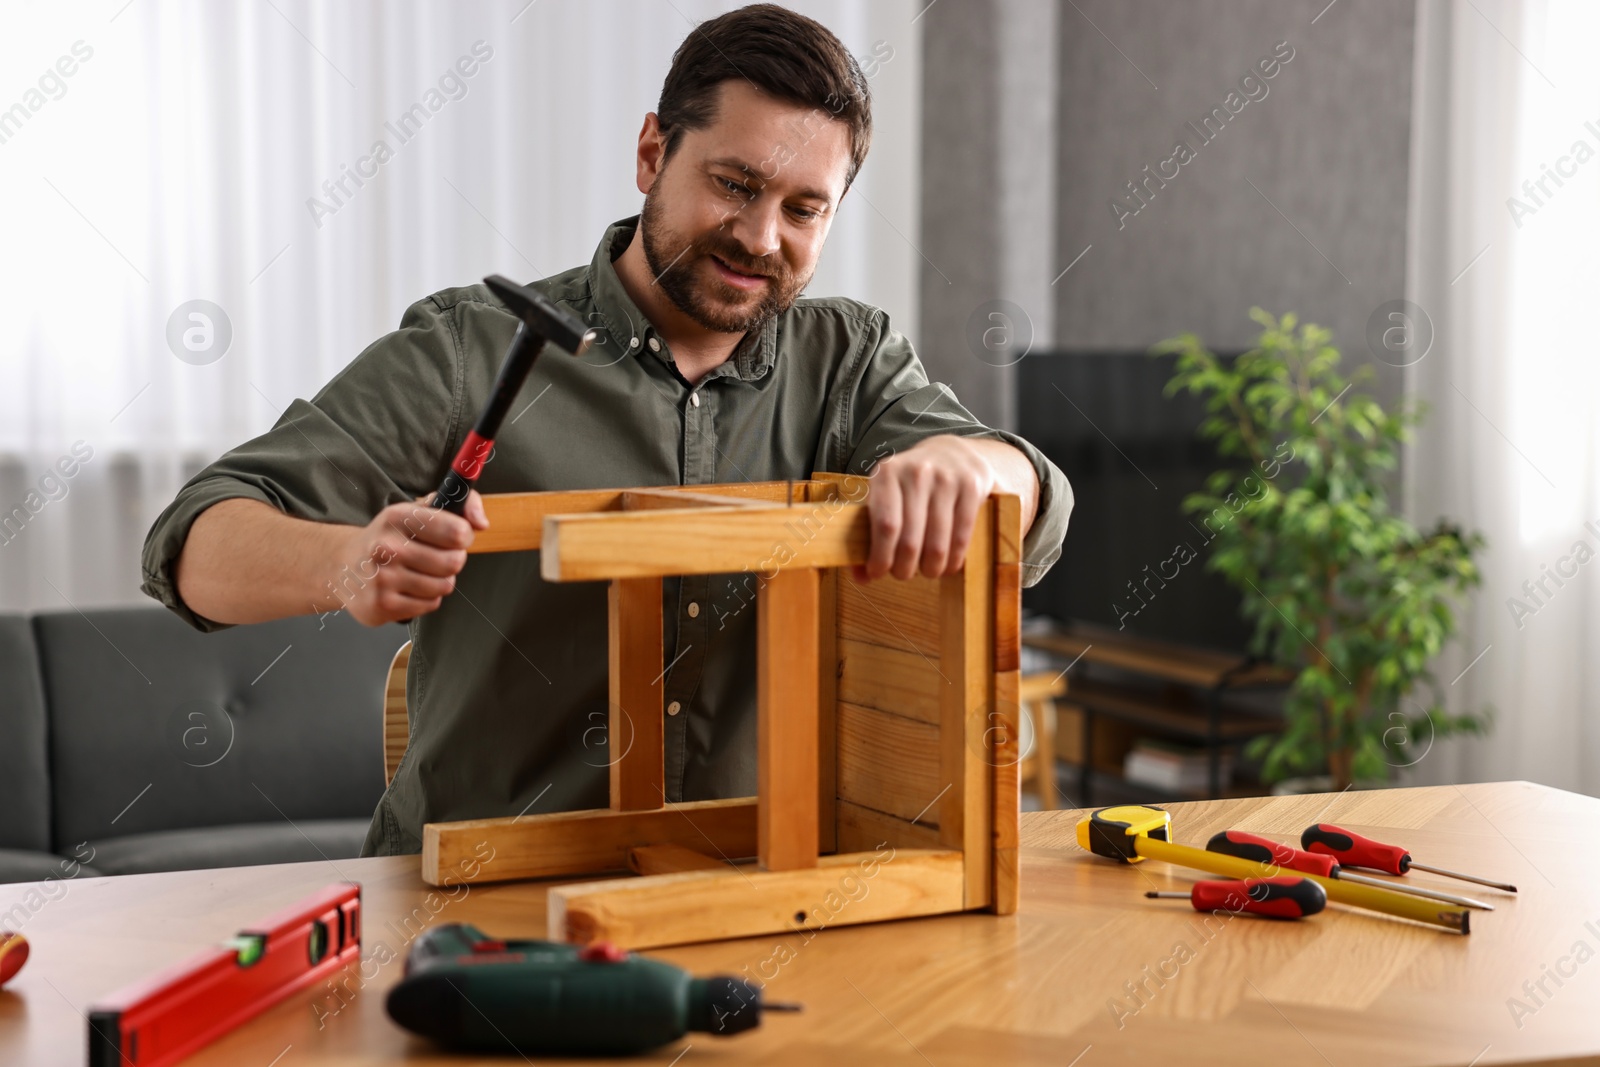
<point x="651" y="154"/>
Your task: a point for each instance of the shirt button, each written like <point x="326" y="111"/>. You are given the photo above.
<point x="633" y="342"/>
<point x="674" y="707"/>
<point x="655" y="345"/>
<point x="694" y="610"/>
<point x="694" y="398"/>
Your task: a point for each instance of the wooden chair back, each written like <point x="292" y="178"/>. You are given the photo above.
<point x="396" y="721"/>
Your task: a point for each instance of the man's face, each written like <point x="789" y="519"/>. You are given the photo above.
<point x="734" y="222"/>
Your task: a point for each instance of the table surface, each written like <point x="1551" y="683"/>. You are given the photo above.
<point x="1047" y="985"/>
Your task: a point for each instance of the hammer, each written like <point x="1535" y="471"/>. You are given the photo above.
<point x="541" y="321"/>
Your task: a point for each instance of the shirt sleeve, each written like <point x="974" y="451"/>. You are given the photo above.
<point x="890" y="405"/>
<point x="377" y="434"/>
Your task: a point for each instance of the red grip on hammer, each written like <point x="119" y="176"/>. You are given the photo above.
<point x="471" y="456"/>
<point x="1265" y="850"/>
<point x="1283" y="897"/>
<point x="1353" y="850"/>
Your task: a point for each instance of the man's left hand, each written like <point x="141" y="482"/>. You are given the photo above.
<point x="923" y="503"/>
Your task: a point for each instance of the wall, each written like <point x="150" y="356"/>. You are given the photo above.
<point x="1299" y="203"/>
<point x="988" y="194"/>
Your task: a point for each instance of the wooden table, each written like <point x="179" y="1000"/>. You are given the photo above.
<point x="1049" y="985"/>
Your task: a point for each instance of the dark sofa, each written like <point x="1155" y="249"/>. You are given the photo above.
<point x="131" y="743"/>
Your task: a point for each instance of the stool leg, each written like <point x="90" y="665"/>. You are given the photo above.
<point x="1044" y="754"/>
<point x="786" y="725"/>
<point x="635" y="728"/>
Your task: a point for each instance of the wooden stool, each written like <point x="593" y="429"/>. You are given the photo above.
<point x="1038" y="693"/>
<point x="886" y="735"/>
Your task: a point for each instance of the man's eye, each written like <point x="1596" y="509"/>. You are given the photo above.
<point x="734" y="187"/>
<point x="804" y="214"/>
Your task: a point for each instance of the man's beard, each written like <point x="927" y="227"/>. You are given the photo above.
<point x="674" y="265"/>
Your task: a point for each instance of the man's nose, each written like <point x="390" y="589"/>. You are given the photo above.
<point x="756" y="227"/>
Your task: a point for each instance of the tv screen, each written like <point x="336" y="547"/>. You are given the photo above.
<point x="1132" y="455"/>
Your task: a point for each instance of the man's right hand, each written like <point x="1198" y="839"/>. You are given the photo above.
<point x="245" y="561"/>
<point x="404" y="562"/>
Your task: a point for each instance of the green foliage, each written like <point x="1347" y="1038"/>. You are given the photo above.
<point x="1352" y="597"/>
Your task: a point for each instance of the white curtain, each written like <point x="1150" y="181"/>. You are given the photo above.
<point x="155" y="154"/>
<point x="1509" y="273"/>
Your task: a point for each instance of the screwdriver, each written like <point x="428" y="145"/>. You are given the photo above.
<point x="1278" y="898"/>
<point x="1353" y="850"/>
<point x="1134" y="833"/>
<point x="1265" y="850"/>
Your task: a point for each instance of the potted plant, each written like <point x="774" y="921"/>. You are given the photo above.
<point x="1350" y="597"/>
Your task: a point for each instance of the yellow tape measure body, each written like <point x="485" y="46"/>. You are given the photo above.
<point x="1111" y="832"/>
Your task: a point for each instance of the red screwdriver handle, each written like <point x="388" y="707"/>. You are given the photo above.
<point x="1283" y="897"/>
<point x="1265" y="850"/>
<point x="1353" y="850"/>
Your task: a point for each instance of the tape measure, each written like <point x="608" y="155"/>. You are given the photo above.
<point x="1111" y="832"/>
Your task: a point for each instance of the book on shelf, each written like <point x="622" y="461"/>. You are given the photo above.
<point x="1164" y="765"/>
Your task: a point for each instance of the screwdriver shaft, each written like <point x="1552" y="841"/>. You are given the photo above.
<point x="1507" y="886"/>
<point x="1415" y="890"/>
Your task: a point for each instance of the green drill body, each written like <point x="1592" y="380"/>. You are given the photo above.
<point x="475" y="993"/>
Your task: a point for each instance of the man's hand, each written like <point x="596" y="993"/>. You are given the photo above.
<point x="404" y="562"/>
<point x="924" y="501"/>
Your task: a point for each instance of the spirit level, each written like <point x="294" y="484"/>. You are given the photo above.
<point x="162" y="1019"/>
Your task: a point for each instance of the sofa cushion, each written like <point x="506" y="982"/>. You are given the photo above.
<point x="21" y="865"/>
<point x="231" y="846"/>
<point x="24" y="755"/>
<point x="156" y="727"/>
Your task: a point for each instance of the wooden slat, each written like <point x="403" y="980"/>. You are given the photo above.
<point x="1005" y="863"/>
<point x="396" y="720"/>
<point x="966" y="661"/>
<point x="891" y="680"/>
<point x="827" y="708"/>
<point x="890" y="763"/>
<point x="773" y="492"/>
<point x="674" y="909"/>
<point x="864" y="829"/>
<point x="655" y="499"/>
<point x="516" y="520"/>
<point x="851" y="487"/>
<point x="668" y="859"/>
<point x="637" y="764"/>
<point x="582" y="842"/>
<point x="787" y="628"/>
<point x="892" y="612"/>
<point x="702" y="541"/>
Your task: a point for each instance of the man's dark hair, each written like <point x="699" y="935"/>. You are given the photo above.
<point x="783" y="54"/>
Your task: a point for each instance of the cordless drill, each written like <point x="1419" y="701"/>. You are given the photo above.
<point x="471" y="992"/>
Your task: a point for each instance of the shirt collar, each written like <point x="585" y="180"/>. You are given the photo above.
<point x="624" y="322"/>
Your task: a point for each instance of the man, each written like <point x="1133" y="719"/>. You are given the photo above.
<point x="706" y="368"/>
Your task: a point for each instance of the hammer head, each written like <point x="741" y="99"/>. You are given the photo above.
<point x="541" y="316"/>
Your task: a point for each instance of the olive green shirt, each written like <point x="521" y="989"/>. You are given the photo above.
<point x="507" y="688"/>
